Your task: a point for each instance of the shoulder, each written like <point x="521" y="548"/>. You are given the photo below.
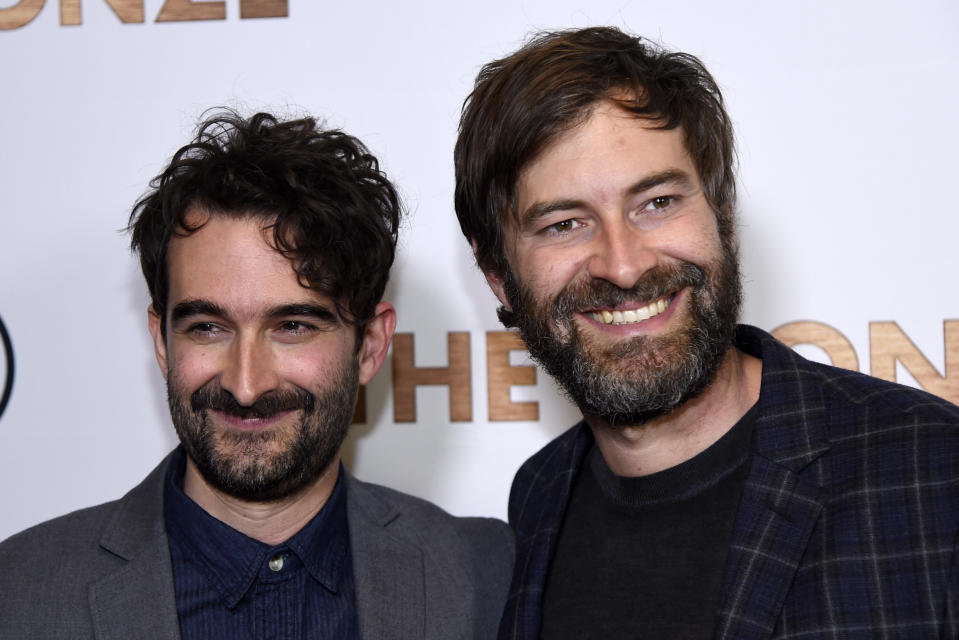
<point x="787" y="375"/>
<point x="69" y="534"/>
<point x="878" y="433"/>
<point x="465" y="563"/>
<point x="48" y="568"/>
<point x="414" y="517"/>
<point x="59" y="551"/>
<point x="888" y="399"/>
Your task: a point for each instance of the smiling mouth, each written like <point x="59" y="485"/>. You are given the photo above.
<point x="252" y="422"/>
<point x="632" y="316"/>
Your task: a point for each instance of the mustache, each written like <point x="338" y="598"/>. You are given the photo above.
<point x="658" y="282"/>
<point x="266" y="406"/>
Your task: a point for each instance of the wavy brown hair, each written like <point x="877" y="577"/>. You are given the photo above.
<point x="331" y="210"/>
<point x="523" y="102"/>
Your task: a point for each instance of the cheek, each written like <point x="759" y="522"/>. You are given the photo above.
<point x="191" y="368"/>
<point x="695" y="240"/>
<point x="313" y="367"/>
<point x="547" y="271"/>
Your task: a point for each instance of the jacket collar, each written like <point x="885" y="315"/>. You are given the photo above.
<point x="137" y="600"/>
<point x="388" y="569"/>
<point x="791" y="426"/>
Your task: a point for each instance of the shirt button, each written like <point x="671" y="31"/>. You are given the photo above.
<point x="276" y="563"/>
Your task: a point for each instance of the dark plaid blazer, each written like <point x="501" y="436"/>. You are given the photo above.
<point x="848" y="522"/>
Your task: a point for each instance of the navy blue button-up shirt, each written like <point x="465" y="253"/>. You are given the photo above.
<point x="232" y="587"/>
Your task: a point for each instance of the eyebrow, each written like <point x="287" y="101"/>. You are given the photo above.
<point x="669" y="176"/>
<point x="540" y="209"/>
<point x="190" y="308"/>
<point x="304" y="309"/>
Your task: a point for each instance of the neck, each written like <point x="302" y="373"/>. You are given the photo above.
<point x="268" y="522"/>
<point x="686" y="431"/>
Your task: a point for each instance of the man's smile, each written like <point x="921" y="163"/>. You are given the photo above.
<point x="251" y="423"/>
<point x="633" y="314"/>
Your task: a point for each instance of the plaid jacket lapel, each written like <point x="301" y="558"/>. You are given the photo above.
<point x="776" y="517"/>
<point x="781" y="499"/>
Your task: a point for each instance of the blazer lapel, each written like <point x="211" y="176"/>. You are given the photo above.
<point x="782" y="499"/>
<point x="777" y="514"/>
<point x="388" y="571"/>
<point x="137" y="601"/>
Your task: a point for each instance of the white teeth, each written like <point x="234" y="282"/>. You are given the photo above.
<point x="631" y="316"/>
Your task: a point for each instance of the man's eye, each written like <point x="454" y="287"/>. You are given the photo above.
<point x="295" y="327"/>
<point x="659" y="203"/>
<point x="564" y="226"/>
<point x="204" y="329"/>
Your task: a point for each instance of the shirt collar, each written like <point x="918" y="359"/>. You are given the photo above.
<point x="231" y="560"/>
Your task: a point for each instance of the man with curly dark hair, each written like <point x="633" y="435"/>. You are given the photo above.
<point x="266" y="246"/>
<point x="719" y="485"/>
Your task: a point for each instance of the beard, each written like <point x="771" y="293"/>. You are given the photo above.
<point x="632" y="381"/>
<point x="268" y="465"/>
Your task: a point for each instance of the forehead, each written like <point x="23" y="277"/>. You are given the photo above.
<point x="608" y="151"/>
<point x="232" y="261"/>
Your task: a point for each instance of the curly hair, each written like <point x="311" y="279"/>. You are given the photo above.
<point x="523" y="102"/>
<point x="331" y="210"/>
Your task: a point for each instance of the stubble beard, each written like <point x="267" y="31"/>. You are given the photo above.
<point x="277" y="462"/>
<point x="630" y="382"/>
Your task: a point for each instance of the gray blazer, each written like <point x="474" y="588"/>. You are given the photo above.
<point x="105" y="572"/>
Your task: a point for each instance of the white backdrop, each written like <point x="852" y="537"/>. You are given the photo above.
<point x="847" y="129"/>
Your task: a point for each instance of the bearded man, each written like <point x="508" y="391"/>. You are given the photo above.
<point x="719" y="485"/>
<point x="266" y="246"/>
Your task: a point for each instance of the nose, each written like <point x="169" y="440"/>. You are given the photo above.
<point x="620" y="255"/>
<point x="249" y="371"/>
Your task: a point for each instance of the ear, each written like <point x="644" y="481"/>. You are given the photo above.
<point x="376" y="341"/>
<point x="159" y="344"/>
<point x="495" y="282"/>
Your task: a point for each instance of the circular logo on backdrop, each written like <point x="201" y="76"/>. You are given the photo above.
<point x="6" y="367"/>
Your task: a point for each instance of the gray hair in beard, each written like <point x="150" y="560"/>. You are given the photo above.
<point x="634" y="381"/>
